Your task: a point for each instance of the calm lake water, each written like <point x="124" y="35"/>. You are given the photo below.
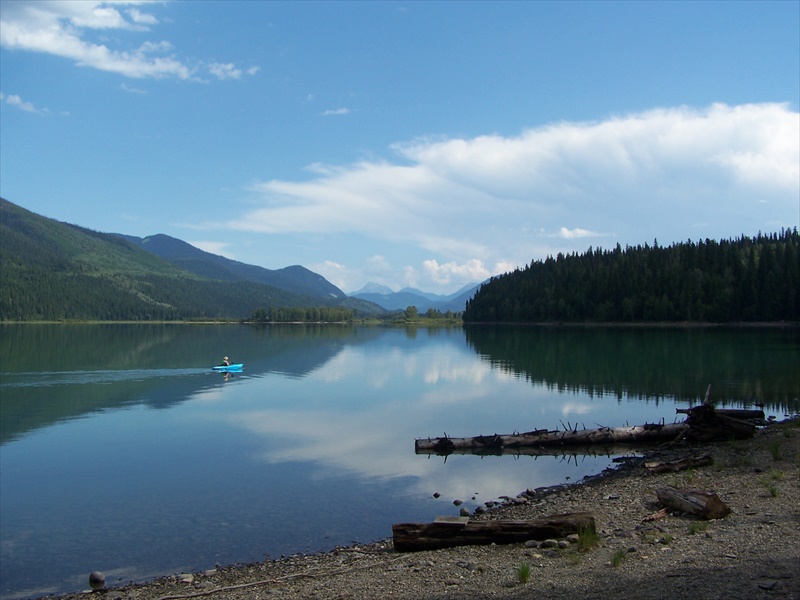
<point x="121" y="451"/>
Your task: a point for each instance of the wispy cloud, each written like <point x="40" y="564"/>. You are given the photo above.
<point x="224" y="71"/>
<point x="479" y="205"/>
<point x="62" y="28"/>
<point x="15" y="100"/>
<point x="218" y="248"/>
<point x="130" y="89"/>
<point x="336" y="111"/>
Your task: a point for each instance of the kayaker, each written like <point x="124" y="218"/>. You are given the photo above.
<point x="226" y="362"/>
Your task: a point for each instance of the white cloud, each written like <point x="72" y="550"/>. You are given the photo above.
<point x="138" y="16"/>
<point x="338" y="274"/>
<point x="130" y="89"/>
<point x="572" y="234"/>
<point x="218" y="248"/>
<point x="336" y="111"/>
<point x="15" y="100"/>
<point x="491" y="202"/>
<point x="225" y="71"/>
<point x="445" y="274"/>
<point x="61" y="28"/>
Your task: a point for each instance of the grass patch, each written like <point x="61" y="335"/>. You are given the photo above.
<point x="776" y="475"/>
<point x="768" y="481"/>
<point x="574" y="558"/>
<point x="588" y="539"/>
<point x="618" y="557"/>
<point x="775" y="450"/>
<point x="523" y="573"/>
<point x="697" y="526"/>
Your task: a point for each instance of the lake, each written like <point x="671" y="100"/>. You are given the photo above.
<point x="121" y="451"/>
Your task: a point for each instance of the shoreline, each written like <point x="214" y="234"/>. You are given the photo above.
<point x="752" y="553"/>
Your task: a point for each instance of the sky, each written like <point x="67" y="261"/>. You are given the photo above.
<point x="410" y="144"/>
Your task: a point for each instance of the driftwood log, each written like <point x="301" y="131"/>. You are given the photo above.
<point x="736" y="413"/>
<point x="566" y="452"/>
<point x="706" y="424"/>
<point x="410" y="537"/>
<point x="543" y="437"/>
<point x="690" y="462"/>
<point x="696" y="502"/>
<point x="703" y="424"/>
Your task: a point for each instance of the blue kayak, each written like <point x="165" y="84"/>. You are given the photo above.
<point x="236" y="367"/>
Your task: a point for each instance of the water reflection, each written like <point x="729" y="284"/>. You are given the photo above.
<point x="313" y="444"/>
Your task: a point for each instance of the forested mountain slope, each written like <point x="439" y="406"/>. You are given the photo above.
<point x="296" y="279"/>
<point x="53" y="271"/>
<point x="739" y="280"/>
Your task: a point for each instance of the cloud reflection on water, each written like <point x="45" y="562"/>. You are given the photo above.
<point x="360" y="412"/>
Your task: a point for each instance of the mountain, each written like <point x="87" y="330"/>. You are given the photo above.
<point x="386" y="298"/>
<point x="294" y="279"/>
<point x="373" y="288"/>
<point x="53" y="271"/>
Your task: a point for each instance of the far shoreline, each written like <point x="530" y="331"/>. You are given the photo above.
<point x="437" y="323"/>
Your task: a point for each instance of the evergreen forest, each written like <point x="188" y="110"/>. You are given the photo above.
<point x="747" y="279"/>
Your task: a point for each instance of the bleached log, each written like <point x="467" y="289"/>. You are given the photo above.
<point x="696" y="502"/>
<point x="736" y="413"/>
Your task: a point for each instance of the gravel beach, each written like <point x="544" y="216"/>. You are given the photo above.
<point x="752" y="553"/>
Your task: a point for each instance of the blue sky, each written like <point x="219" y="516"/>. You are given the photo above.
<point x="423" y="144"/>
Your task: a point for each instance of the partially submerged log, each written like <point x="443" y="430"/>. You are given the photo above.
<point x="690" y="462"/>
<point x="410" y="537"/>
<point x="542" y="437"/>
<point x="567" y="452"/>
<point x="696" y="502"/>
<point x="703" y="424"/>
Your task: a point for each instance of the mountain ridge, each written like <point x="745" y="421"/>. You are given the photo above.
<point x="295" y="278"/>
<point x="57" y="271"/>
<point x="423" y="301"/>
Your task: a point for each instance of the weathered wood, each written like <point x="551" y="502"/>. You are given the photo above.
<point x="543" y="437"/>
<point x="690" y="462"/>
<point x="567" y="452"/>
<point x="707" y="425"/>
<point x="703" y="424"/>
<point x="409" y="537"/>
<point x="696" y="502"/>
<point x="736" y="413"/>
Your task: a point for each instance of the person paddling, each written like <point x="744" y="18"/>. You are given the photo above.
<point x="226" y="362"/>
